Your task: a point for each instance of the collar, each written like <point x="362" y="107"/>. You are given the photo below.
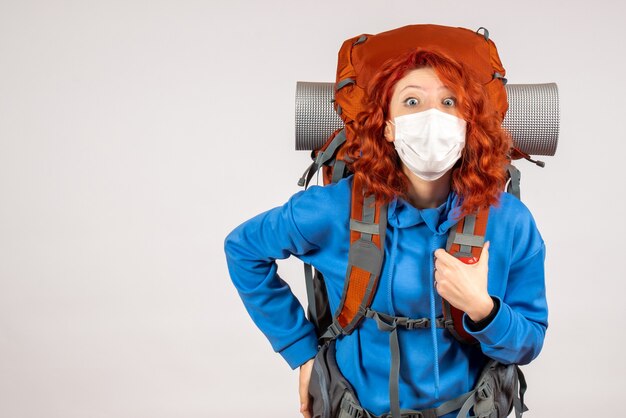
<point x="439" y="220"/>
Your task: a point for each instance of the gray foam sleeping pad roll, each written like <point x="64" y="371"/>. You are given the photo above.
<point x="532" y="118"/>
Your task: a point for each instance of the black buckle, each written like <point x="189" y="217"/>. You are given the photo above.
<point x="485" y="392"/>
<point x="417" y="323"/>
<point x="351" y="409"/>
<point x="414" y="414"/>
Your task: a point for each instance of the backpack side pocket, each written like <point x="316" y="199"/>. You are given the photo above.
<point x="328" y="387"/>
<point x="500" y="388"/>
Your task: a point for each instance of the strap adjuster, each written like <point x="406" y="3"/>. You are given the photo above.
<point x="354" y="411"/>
<point x="417" y="323"/>
<point x="485" y="392"/>
<point x="333" y="331"/>
<point x="412" y="414"/>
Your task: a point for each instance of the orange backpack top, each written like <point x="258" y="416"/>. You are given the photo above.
<point x="360" y="57"/>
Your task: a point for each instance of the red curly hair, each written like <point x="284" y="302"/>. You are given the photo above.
<point x="480" y="174"/>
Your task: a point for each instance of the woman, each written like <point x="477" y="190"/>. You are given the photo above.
<point x="429" y="144"/>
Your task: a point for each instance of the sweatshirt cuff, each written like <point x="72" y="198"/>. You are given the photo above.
<point x="482" y="324"/>
<point x="495" y="330"/>
<point x="301" y="351"/>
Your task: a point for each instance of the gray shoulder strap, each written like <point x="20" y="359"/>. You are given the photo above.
<point x="514" y="183"/>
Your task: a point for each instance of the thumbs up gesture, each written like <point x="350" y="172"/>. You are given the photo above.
<point x="464" y="285"/>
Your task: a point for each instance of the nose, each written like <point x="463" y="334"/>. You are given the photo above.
<point x="431" y="103"/>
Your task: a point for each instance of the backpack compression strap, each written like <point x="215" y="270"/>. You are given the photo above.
<point x="465" y="242"/>
<point x="326" y="156"/>
<point x="318" y="311"/>
<point x="368" y="223"/>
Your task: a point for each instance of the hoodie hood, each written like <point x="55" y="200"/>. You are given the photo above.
<point x="401" y="214"/>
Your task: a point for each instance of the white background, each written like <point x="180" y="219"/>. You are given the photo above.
<point x="134" y="135"/>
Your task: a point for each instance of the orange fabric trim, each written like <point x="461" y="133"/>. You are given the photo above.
<point x="357" y="287"/>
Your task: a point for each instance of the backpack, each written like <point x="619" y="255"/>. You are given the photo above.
<point x="359" y="58"/>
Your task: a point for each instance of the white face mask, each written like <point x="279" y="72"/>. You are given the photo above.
<point x="429" y="142"/>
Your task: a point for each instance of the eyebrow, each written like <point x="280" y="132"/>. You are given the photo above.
<point x="422" y="88"/>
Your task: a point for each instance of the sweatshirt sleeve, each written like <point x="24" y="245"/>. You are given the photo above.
<point x="516" y="333"/>
<point x="251" y="253"/>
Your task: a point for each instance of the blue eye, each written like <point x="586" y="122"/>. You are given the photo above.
<point x="411" y="101"/>
<point x="449" y="101"/>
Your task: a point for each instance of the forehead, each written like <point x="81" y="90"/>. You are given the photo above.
<point x="420" y="79"/>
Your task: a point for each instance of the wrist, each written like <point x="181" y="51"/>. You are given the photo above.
<point x="482" y="309"/>
<point x="307" y="363"/>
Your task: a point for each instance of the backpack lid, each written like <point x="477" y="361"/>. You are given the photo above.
<point x="362" y="56"/>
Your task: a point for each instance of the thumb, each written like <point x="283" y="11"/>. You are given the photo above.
<point x="484" y="254"/>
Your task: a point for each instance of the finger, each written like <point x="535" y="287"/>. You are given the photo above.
<point x="443" y="267"/>
<point x="439" y="252"/>
<point x="304" y="400"/>
<point x="304" y="410"/>
<point x="445" y="257"/>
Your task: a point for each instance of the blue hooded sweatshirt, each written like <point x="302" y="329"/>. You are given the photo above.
<point x="314" y="226"/>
